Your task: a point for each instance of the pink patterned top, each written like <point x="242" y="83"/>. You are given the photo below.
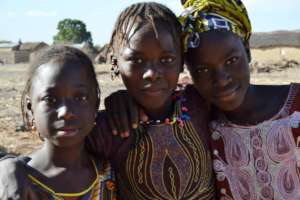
<point x="260" y="161"/>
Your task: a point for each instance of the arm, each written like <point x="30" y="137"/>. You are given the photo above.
<point x="14" y="184"/>
<point x="102" y="144"/>
<point x="123" y="113"/>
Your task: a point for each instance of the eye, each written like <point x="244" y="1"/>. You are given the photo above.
<point x="81" y="98"/>
<point x="49" y="99"/>
<point x="231" y="60"/>
<point x="202" y="69"/>
<point x="167" y="60"/>
<point x="136" y="60"/>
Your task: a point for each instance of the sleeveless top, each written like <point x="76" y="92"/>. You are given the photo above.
<point x="103" y="188"/>
<point x="259" y="161"/>
<point x="164" y="161"/>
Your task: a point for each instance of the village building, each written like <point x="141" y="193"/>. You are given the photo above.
<point x="275" y="46"/>
<point x="12" y="53"/>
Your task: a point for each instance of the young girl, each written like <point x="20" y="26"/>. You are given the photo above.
<point x="166" y="157"/>
<point x="255" y="133"/>
<point x="60" y="102"/>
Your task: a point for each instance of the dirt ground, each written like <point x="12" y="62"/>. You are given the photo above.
<point x="12" y="80"/>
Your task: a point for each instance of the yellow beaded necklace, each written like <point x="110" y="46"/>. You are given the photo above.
<point x="62" y="195"/>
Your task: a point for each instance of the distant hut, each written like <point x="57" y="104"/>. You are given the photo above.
<point x="31" y="48"/>
<point x="89" y="50"/>
<point x="12" y="53"/>
<point x="102" y="55"/>
<point x="276" y="46"/>
<point x="7" y="53"/>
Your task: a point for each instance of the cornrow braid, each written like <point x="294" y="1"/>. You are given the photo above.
<point x="138" y="15"/>
<point x="57" y="53"/>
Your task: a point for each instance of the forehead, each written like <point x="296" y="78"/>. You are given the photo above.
<point x="55" y="73"/>
<point x="145" y="33"/>
<point x="218" y="42"/>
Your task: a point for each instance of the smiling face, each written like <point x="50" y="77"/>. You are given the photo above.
<point x="150" y="65"/>
<point x="219" y="68"/>
<point x="63" y="102"/>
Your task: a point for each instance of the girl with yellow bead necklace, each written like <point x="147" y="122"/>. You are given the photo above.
<point x="60" y="102"/>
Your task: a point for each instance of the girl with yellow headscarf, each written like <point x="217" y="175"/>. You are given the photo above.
<point x="255" y="131"/>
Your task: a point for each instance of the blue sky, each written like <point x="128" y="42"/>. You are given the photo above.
<point x="36" y="20"/>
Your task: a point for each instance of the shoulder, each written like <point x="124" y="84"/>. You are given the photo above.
<point x="197" y="105"/>
<point x="294" y="97"/>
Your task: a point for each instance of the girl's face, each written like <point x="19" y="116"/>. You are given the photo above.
<point x="219" y="68"/>
<point x="63" y="102"/>
<point x="150" y="65"/>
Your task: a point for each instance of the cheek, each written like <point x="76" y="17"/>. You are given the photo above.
<point x="43" y="122"/>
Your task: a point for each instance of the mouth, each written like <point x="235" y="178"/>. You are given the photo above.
<point x="227" y="94"/>
<point x="153" y="91"/>
<point x="67" y="132"/>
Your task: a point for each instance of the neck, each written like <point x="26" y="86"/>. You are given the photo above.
<point x="67" y="157"/>
<point x="244" y="112"/>
<point x="162" y="112"/>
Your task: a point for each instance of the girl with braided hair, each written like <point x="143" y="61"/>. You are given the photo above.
<point x="167" y="156"/>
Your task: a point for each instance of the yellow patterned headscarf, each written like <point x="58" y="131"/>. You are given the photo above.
<point x="204" y="15"/>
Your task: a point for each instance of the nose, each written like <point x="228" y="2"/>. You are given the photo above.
<point x="65" y="111"/>
<point x="222" y="78"/>
<point x="152" y="73"/>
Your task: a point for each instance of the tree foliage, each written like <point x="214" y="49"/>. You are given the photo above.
<point x="72" y="31"/>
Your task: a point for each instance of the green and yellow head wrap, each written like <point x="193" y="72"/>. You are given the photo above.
<point x="205" y="15"/>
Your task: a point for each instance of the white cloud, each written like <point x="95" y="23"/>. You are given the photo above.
<point x="39" y="13"/>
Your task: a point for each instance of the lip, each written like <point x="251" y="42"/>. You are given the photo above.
<point x="67" y="132"/>
<point x="227" y="94"/>
<point x="153" y="91"/>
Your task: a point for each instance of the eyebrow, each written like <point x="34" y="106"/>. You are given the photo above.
<point x="231" y="51"/>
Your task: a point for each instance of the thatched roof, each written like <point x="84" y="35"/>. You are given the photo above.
<point x="102" y="55"/>
<point x="275" y="39"/>
<point x="32" y="46"/>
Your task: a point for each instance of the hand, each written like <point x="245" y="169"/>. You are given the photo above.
<point x="14" y="184"/>
<point x="123" y="113"/>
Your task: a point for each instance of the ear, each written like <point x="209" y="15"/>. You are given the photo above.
<point x="28" y="103"/>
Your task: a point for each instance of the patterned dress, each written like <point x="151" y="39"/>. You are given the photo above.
<point x="103" y="188"/>
<point x="160" y="161"/>
<point x="260" y="161"/>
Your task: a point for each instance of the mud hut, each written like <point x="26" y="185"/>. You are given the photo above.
<point x="102" y="55"/>
<point x="90" y="50"/>
<point x="276" y="46"/>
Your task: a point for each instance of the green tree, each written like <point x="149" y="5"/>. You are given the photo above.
<point x="72" y="31"/>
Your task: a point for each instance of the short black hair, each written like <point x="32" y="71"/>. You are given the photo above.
<point x="148" y="12"/>
<point x="62" y="54"/>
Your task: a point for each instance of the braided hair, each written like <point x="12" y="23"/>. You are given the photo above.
<point x="139" y="14"/>
<point x="57" y="53"/>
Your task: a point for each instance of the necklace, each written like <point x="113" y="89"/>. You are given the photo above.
<point x="62" y="195"/>
<point x="180" y="113"/>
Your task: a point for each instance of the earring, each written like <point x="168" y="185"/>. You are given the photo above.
<point x="114" y="70"/>
<point x="33" y="127"/>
